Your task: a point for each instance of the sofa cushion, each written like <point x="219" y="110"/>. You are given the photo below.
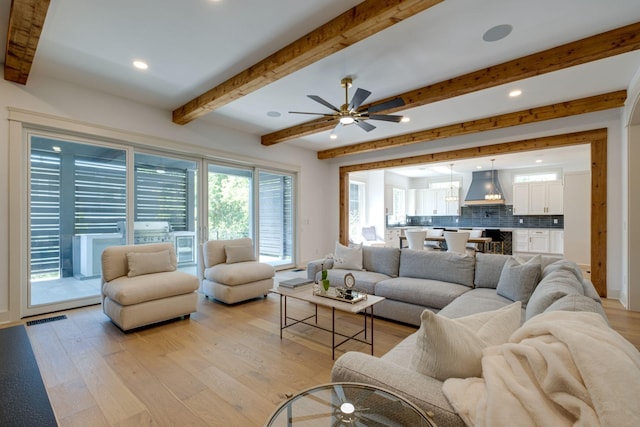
<point x="476" y="301"/>
<point x="213" y="250"/>
<point x="553" y="287"/>
<point x="518" y="280"/>
<point x="348" y="257"/>
<point x="488" y="269"/>
<point x="423" y="292"/>
<point x="239" y="273"/>
<point x="442" y="266"/>
<point x="576" y="302"/>
<point x="563" y="264"/>
<point x="134" y="290"/>
<point x="149" y="262"/>
<point x="590" y="291"/>
<point x="381" y="260"/>
<point x="239" y="253"/>
<point x="452" y="348"/>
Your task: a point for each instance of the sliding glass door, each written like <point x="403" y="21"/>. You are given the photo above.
<point x="276" y="211"/>
<point x="85" y="196"/>
<point x="78" y="196"/>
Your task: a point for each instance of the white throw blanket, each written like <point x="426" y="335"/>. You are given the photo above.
<point x="559" y="369"/>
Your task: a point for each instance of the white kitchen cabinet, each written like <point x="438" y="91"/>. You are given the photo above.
<point x="556" y="242"/>
<point x="521" y="198"/>
<point x="433" y="202"/>
<point x="539" y="241"/>
<point x="521" y="240"/>
<point x="532" y="240"/>
<point x="392" y="237"/>
<point x="538" y="198"/>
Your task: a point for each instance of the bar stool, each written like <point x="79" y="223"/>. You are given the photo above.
<point x="496" y="246"/>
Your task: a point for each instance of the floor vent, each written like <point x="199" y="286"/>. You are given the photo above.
<point x="48" y="319"/>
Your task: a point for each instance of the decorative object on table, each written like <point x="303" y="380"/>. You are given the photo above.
<point x="349" y="280"/>
<point x="324" y="281"/>
<point x="340" y="294"/>
<point x="294" y="283"/>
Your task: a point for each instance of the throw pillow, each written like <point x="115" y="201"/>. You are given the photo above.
<point x="348" y="257"/>
<point x="517" y="281"/>
<point x="149" y="262"/>
<point x="452" y="348"/>
<point x="239" y="253"/>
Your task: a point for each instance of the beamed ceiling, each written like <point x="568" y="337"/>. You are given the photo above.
<point x="245" y="66"/>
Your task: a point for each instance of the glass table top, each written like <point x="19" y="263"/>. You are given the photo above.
<point x="348" y="404"/>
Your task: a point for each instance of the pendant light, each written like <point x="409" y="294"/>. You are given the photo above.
<point x="451" y="197"/>
<point x="493" y="195"/>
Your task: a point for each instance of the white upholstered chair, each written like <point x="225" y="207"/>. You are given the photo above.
<point x="456" y="241"/>
<point x="141" y="285"/>
<point x="230" y="272"/>
<point x="415" y="239"/>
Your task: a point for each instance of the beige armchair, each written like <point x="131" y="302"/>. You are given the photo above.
<point x="141" y="286"/>
<point x="230" y="272"/>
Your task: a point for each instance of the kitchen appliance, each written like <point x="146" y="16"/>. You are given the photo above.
<point x="151" y="232"/>
<point x="185" y="244"/>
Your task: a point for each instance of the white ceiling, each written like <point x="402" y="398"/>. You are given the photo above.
<point x="193" y="45"/>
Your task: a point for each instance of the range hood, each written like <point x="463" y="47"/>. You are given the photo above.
<point x="482" y="183"/>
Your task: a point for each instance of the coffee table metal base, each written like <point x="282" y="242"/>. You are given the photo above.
<point x="366" y="331"/>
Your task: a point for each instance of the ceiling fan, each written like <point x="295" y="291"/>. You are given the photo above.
<point x="348" y="113"/>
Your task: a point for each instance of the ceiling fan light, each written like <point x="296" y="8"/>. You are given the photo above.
<point x="347" y="120"/>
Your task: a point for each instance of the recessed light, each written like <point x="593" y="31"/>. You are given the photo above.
<point x="478" y="167"/>
<point x="140" y="65"/>
<point x="405" y="119"/>
<point x="515" y="92"/>
<point x="538" y="161"/>
<point x="497" y="33"/>
<point x="273" y="114"/>
<point x="333" y="136"/>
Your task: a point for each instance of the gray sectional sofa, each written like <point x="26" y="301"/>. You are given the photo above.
<point x="453" y="286"/>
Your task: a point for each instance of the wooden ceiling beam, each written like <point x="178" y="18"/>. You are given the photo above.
<point x="533" y="115"/>
<point x="600" y="46"/>
<point x="354" y="25"/>
<point x="26" y="20"/>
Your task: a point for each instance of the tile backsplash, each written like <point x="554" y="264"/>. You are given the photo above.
<point x="495" y="216"/>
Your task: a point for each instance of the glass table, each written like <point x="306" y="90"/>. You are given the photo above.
<point x="348" y="404"/>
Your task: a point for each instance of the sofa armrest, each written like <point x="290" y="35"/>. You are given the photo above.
<point x="423" y="391"/>
<point x="315" y="266"/>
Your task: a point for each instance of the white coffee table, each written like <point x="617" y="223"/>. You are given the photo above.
<point x="305" y="293"/>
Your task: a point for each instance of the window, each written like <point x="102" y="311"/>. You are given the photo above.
<point x="536" y="177"/>
<point x="356" y="207"/>
<point x="399" y="205"/>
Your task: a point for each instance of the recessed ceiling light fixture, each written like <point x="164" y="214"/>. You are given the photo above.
<point x="405" y="119"/>
<point x="515" y="93"/>
<point x="333" y="136"/>
<point x="140" y="65"/>
<point x="273" y="114"/>
<point x="497" y="33"/>
<point x="539" y="161"/>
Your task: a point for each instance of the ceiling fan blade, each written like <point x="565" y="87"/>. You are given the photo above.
<point x="385" y="117"/>
<point x="364" y="125"/>
<point x="337" y="128"/>
<point x="315" y="114"/>
<point x="395" y="102"/>
<point x="323" y="102"/>
<point x="358" y="98"/>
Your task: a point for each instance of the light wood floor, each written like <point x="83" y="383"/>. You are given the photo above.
<point x="226" y="366"/>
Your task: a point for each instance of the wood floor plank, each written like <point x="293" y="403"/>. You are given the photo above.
<point x="225" y="366"/>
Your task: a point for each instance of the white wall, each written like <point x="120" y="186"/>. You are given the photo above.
<point x="630" y="242"/>
<point x="577" y="217"/>
<point x="317" y="207"/>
